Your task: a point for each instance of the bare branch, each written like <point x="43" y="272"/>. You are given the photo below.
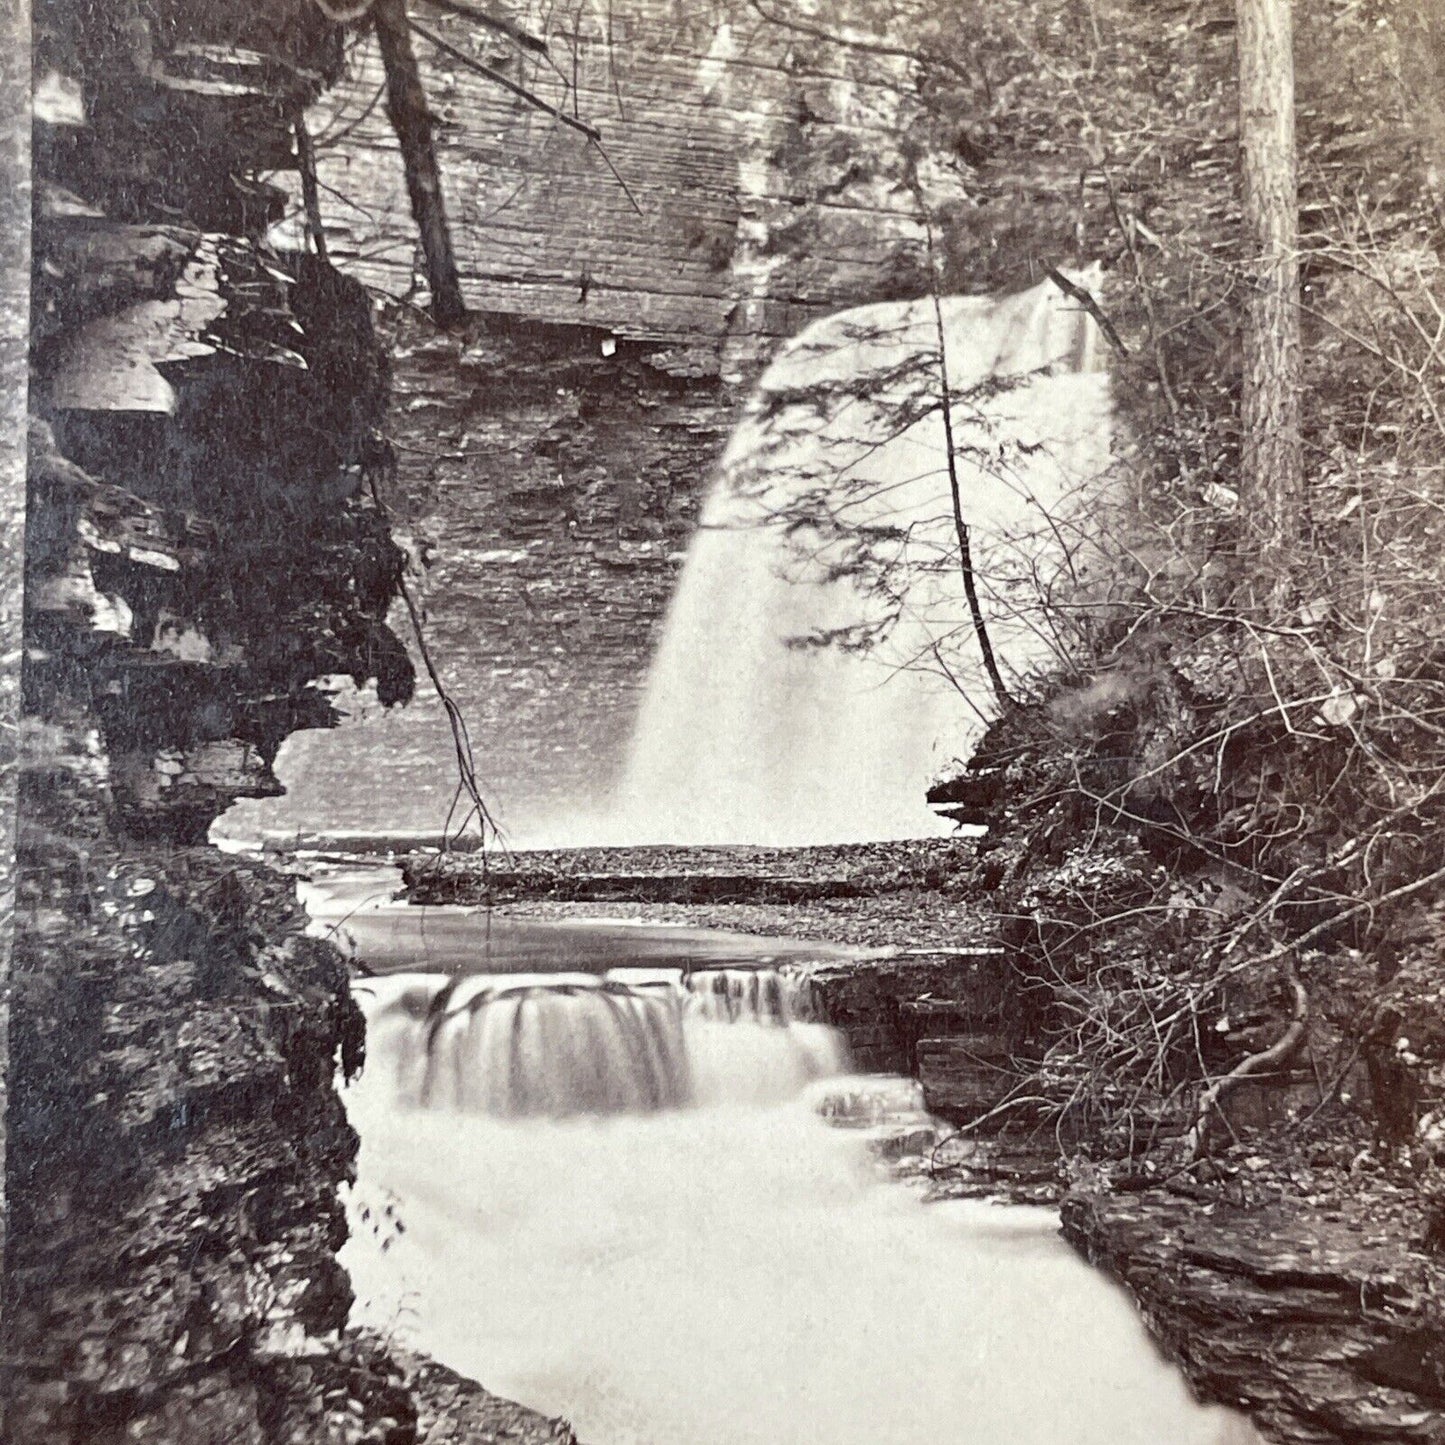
<point x="470" y="10"/>
<point x="1281" y="1051"/>
<point x="1080" y="294"/>
<point x="506" y="82"/>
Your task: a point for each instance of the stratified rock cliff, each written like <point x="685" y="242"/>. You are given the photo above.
<point x="200" y="552"/>
<point x="748" y="177"/>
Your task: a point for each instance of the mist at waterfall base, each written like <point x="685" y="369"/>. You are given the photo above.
<point x="742" y="735"/>
<point x="831" y="518"/>
<point x="615" y="1198"/>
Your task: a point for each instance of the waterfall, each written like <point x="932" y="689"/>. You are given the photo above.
<point x="631" y="1041"/>
<point x="752" y="995"/>
<point x="831" y="518"/>
<point x="614" y="1198"/>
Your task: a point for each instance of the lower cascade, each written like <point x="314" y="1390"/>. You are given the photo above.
<point x="623" y="1199"/>
<point x="629" y="1041"/>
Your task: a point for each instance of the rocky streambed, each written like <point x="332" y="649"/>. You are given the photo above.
<point x="1294" y="1276"/>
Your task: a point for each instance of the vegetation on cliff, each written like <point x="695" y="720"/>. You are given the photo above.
<point x="1219" y="798"/>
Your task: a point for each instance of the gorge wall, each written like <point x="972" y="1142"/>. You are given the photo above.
<point x="552" y="455"/>
<point x="198" y="551"/>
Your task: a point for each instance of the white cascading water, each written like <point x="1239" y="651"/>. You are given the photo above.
<point x="559" y="1045"/>
<point x="746" y="737"/>
<point x="615" y="1199"/>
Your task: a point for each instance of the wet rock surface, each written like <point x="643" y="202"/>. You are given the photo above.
<point x="1318" y="1315"/>
<point x="453" y="1410"/>
<point x="175" y="1145"/>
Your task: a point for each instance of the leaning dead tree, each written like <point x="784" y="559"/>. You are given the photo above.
<point x="411" y="120"/>
<point x="406" y="106"/>
<point x="1271" y="466"/>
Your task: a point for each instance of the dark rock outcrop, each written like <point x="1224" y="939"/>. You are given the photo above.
<point x="1323" y="1324"/>
<point x="200" y="553"/>
<point x="663" y="874"/>
<point x="176" y="1143"/>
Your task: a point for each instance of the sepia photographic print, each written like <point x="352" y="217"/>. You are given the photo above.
<point x="722" y="722"/>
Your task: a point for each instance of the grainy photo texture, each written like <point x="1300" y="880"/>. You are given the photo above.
<point x="722" y="722"/>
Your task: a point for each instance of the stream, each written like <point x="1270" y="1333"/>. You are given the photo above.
<point x="631" y="1184"/>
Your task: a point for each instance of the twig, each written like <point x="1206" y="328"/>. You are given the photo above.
<point x="461" y="740"/>
<point x="960" y="527"/>
<point x="329" y="138"/>
<point x="852" y="42"/>
<point x="1151" y="318"/>
<point x="963" y="1130"/>
<point x="497" y="78"/>
<point x="311" y="199"/>
<point x="492" y="21"/>
<point x="617" y="176"/>
<point x="1082" y="296"/>
<point x="1278" y="1052"/>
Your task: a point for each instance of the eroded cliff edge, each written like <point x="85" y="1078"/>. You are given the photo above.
<point x="202" y="551"/>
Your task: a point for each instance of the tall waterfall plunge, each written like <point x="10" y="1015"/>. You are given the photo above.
<point x="831" y="518"/>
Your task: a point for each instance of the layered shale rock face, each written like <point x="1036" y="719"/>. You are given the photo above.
<point x="201" y="550"/>
<point x="552" y="455"/>
<point x="552" y="492"/>
<point x="749" y="177"/>
<point x="1321" y="1323"/>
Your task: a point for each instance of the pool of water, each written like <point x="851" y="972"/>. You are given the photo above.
<point x="710" y="1263"/>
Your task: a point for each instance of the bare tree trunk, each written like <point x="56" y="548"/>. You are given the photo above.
<point x="955" y="486"/>
<point x="14" y="352"/>
<point x="411" y="120"/>
<point x="310" y="194"/>
<point x="960" y="526"/>
<point x="1271" y="464"/>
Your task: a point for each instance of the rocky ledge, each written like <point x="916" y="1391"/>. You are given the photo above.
<point x="692" y="875"/>
<point x="1316" y="1312"/>
<point x="1292" y="1276"/>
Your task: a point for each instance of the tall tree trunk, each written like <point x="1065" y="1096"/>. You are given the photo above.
<point x="955" y="486"/>
<point x="1271" y="464"/>
<point x="411" y="120"/>
<point x="310" y="193"/>
<point x="15" y="280"/>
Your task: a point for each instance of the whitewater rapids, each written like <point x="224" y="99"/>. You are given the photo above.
<point x="727" y="1272"/>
